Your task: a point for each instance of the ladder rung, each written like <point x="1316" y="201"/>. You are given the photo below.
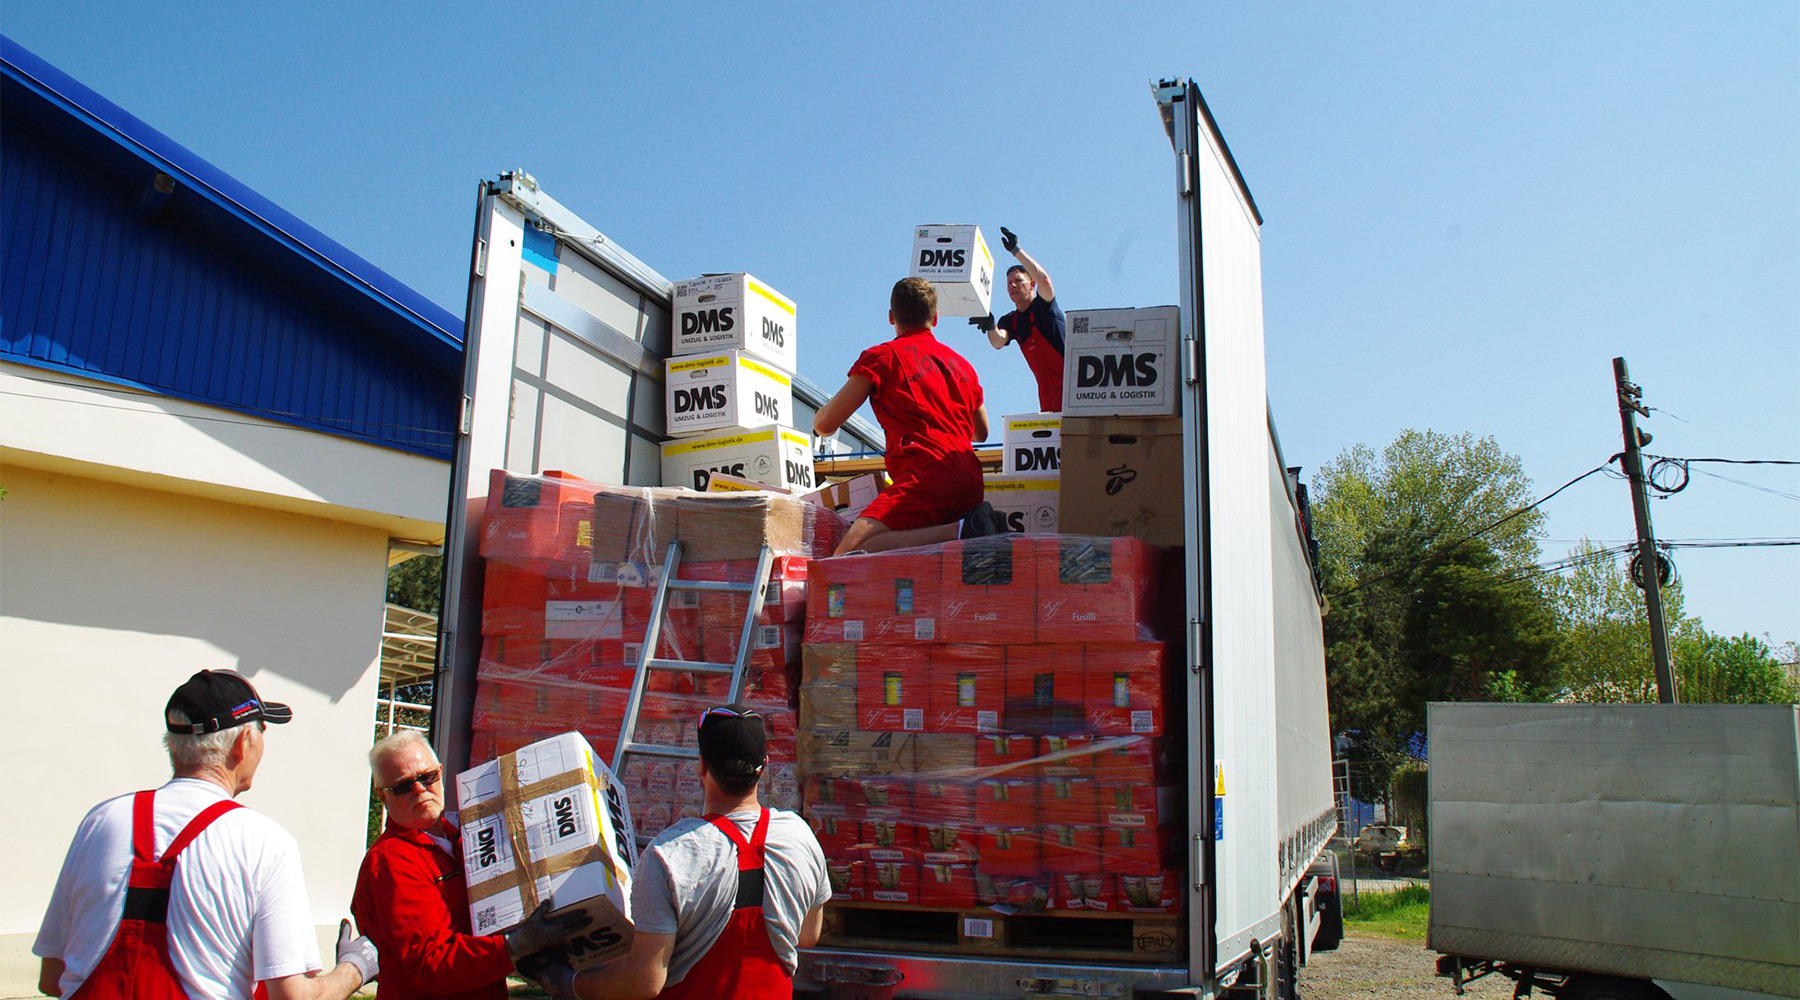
<point x="658" y="750"/>
<point x="690" y="666"/>
<point x="714" y="586"/>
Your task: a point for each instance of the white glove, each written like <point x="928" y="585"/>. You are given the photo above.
<point x="358" y="950"/>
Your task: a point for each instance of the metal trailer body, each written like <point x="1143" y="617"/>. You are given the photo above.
<point x="1642" y="842"/>
<point x="564" y="342"/>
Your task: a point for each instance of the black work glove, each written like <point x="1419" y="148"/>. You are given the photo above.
<point x="983" y="323"/>
<point x="1008" y="241"/>
<point x="552" y="975"/>
<point x="541" y="930"/>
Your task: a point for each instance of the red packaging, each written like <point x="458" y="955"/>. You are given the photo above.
<point x="1156" y="892"/>
<point x="1147" y="759"/>
<point x="680" y="638"/>
<point x="1126" y="685"/>
<point x="950" y="886"/>
<point x="889" y="597"/>
<point x="944" y="801"/>
<point x="838" y="835"/>
<point x="1045" y="690"/>
<point x="535" y="520"/>
<point x="966" y="688"/>
<point x="847" y="879"/>
<point x="1135" y="851"/>
<point x="885" y="797"/>
<point x="1137" y="804"/>
<point x="1067" y="847"/>
<point x="987" y="593"/>
<point x="889" y="840"/>
<point x="1065" y="757"/>
<point x="1092" y="589"/>
<point x="1019" y="892"/>
<point x="891" y="689"/>
<point x="512" y="601"/>
<point x="1069" y="800"/>
<point x="1009" y="850"/>
<point x="1084" y="890"/>
<point x="893" y="881"/>
<point x="1006" y="802"/>
<point x="1012" y="753"/>
<point x="946" y="841"/>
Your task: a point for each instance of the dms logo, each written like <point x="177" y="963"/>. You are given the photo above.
<point x="701" y="397"/>
<point x="1045" y="459"/>
<point x="707" y="321"/>
<point x="1115" y="370"/>
<point x="703" y="476"/>
<point x="774" y="332"/>
<point x="565" y="817"/>
<point x="930" y="257"/>
<point x="592" y="942"/>
<point x="485" y="852"/>
<point x="766" y="406"/>
<point x="1014" y="520"/>
<point x="799" y="473"/>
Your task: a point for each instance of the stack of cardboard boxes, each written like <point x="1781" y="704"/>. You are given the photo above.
<point x="1026" y="492"/>
<point x="571" y="573"/>
<point x="989" y="722"/>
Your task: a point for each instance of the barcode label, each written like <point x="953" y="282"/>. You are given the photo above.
<point x="768" y="636"/>
<point x="1143" y="721"/>
<point x="853" y="631"/>
<point x="987" y="720"/>
<point x="977" y="927"/>
<point x="925" y="629"/>
<point x="912" y="719"/>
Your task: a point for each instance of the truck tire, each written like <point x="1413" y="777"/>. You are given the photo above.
<point x="1287" y="957"/>
<point x="1610" y="988"/>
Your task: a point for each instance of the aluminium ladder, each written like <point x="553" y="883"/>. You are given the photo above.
<point x="648" y="661"/>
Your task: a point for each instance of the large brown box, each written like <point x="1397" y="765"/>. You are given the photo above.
<point x="1122" y="476"/>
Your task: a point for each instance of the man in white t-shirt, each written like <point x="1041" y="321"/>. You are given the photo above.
<point x="183" y="879"/>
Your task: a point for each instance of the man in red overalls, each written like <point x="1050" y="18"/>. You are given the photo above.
<point x="182" y="894"/>
<point x="721" y="904"/>
<point x="1036" y="323"/>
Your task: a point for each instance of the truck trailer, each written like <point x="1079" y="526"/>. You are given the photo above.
<point x="1617" y="852"/>
<point x="566" y="338"/>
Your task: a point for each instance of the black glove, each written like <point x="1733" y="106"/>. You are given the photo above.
<point x="541" y="930"/>
<point x="983" y="323"/>
<point x="1008" y="241"/>
<point x="552" y="975"/>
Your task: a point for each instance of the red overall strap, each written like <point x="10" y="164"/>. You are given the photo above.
<point x="195" y="827"/>
<point x="741" y="963"/>
<point x="749" y="852"/>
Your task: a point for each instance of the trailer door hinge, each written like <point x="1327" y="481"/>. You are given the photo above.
<point x="468" y="414"/>
<point x="1199" y="862"/>
<point x="1185" y="163"/>
<point x="1190" y="360"/>
<point x="480" y="258"/>
<point x="1194" y="644"/>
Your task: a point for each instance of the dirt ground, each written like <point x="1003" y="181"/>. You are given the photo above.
<point x="1366" y="966"/>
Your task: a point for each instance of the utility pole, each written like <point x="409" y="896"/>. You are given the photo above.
<point x="1630" y="407"/>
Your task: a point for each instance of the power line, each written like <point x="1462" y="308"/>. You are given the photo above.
<point x="1731" y="461"/>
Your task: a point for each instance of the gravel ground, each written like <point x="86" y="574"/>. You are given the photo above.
<point x="1366" y="966"/>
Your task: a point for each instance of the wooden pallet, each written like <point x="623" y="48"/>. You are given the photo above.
<point x="1138" y="938"/>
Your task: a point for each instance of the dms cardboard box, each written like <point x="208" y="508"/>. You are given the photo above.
<point x="775" y="455"/>
<point x="955" y="259"/>
<point x="1030" y="443"/>
<point x="729" y="312"/>
<point x="1122" y="363"/>
<point x="546" y="822"/>
<point x="711" y="392"/>
<point x="1122" y="477"/>
<point x="1026" y="505"/>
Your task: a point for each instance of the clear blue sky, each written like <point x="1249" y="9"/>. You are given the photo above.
<point x="1469" y="209"/>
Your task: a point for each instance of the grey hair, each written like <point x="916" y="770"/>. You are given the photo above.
<point x="395" y="742"/>
<point x="188" y="751"/>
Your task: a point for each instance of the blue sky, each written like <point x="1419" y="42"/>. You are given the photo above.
<point x="1469" y="209"/>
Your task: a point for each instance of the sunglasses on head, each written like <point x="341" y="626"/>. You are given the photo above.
<point x="424" y="779"/>
<point x="726" y="712"/>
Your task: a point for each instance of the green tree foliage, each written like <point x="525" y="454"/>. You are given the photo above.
<point x="417" y="583"/>
<point x="1605" y="644"/>
<point x="1420" y="610"/>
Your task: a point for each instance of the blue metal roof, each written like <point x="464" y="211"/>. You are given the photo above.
<point x="200" y="289"/>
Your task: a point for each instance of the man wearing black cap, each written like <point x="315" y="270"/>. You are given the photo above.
<point x="181" y="892"/>
<point x="721" y="904"/>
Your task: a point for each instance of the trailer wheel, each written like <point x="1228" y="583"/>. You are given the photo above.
<point x="1609" y="988"/>
<point x="1287" y="958"/>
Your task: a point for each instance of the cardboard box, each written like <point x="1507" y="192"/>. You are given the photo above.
<point x="1046" y="691"/>
<point x="1009" y="753"/>
<point x="1122" y="362"/>
<point x="848" y="497"/>
<point x="956" y="260"/>
<point x="1148" y="759"/>
<point x="1150" y="893"/>
<point x="848" y="753"/>
<point x="889" y="839"/>
<point x="949" y="886"/>
<point x="893" y="881"/>
<point x="547" y="822"/>
<point x="1006" y="801"/>
<point x="1069" y="800"/>
<point x="1127" y="685"/>
<point x="730" y="389"/>
<point x="1122" y="477"/>
<point x="1085" y="890"/>
<point x="532" y="521"/>
<point x="944" y="802"/>
<point x="778" y="456"/>
<point x="966" y="688"/>
<point x="828" y="687"/>
<point x="1094" y="589"/>
<point x="632" y="529"/>
<point x="891" y="689"/>
<point x="1031" y="444"/>
<point x="512" y="601"/>
<point x="1061" y="757"/>
<point x="1010" y="850"/>
<point x="716" y="527"/>
<point x="1138" y="804"/>
<point x="943" y="755"/>
<point x="727" y="312"/>
<point x="886" y="597"/>
<point x="1071" y="847"/>
<point x="1027" y="505"/>
<point x="987" y="591"/>
<point x="837" y="835"/>
<point x="1132" y="850"/>
<point x="847" y="879"/>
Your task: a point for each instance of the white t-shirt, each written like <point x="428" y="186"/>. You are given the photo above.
<point x="686" y="885"/>
<point x="238" y="912"/>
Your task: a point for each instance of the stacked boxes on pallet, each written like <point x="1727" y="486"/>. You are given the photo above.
<point x="570" y="580"/>
<point x="990" y="722"/>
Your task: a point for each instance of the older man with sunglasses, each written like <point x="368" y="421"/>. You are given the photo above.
<point x="411" y="898"/>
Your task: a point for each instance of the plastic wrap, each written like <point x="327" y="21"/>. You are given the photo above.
<point x="989" y="724"/>
<point x="568" y="587"/>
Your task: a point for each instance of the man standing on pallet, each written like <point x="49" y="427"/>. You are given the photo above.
<point x="723" y="904"/>
<point x="1036" y="323"/>
<point x="182" y="894"/>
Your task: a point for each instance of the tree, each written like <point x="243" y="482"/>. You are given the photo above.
<point x="417" y="583"/>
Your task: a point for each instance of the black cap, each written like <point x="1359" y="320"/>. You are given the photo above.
<point x="732" y="740"/>
<point x="220" y="699"/>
